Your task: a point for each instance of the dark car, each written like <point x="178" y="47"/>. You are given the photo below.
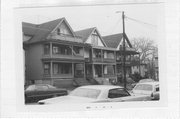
<point x="36" y="92"/>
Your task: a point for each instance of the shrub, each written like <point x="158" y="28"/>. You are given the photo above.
<point x="136" y="77"/>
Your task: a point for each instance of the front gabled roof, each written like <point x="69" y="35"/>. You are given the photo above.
<point x="114" y="40"/>
<point x="41" y="31"/>
<point x="86" y="33"/>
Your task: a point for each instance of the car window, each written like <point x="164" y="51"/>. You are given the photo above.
<point x="51" y="86"/>
<point x="116" y="93"/>
<point x="41" y="87"/>
<point x="146" y="87"/>
<point x="30" y="88"/>
<point x="85" y="92"/>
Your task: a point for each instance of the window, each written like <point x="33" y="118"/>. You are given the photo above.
<point x="55" y="50"/>
<point x="98" y="70"/>
<point x="46" y="68"/>
<point x="77" y="51"/>
<point x="79" y="70"/>
<point x="110" y="55"/>
<point x="60" y="68"/>
<point x="62" y="49"/>
<point x="63" y="30"/>
<point x="58" y="31"/>
<point x="110" y="70"/>
<point x="94" y="39"/>
<point x="55" y="69"/>
<point x="97" y="53"/>
<point x="116" y="93"/>
<point x="88" y="69"/>
<point x="46" y="49"/>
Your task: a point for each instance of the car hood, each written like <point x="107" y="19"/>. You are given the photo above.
<point x="66" y="99"/>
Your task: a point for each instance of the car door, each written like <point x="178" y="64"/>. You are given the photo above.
<point x="41" y="92"/>
<point x="117" y="95"/>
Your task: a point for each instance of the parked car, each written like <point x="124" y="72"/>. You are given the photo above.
<point x="142" y="81"/>
<point x="36" y="92"/>
<point x="147" y="88"/>
<point x="95" y="94"/>
<point x="146" y="80"/>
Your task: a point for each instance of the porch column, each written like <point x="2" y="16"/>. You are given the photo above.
<point x="115" y="69"/>
<point x="73" y="69"/>
<point x="115" y="56"/>
<point x="51" y="72"/>
<point x="102" y="70"/>
<point x="84" y="72"/>
<point x="51" y="49"/>
<point x="102" y="55"/>
<point x="139" y="65"/>
<point x="131" y="64"/>
<point x="71" y="50"/>
<point x="83" y="51"/>
<point x="93" y="71"/>
<point x="92" y="53"/>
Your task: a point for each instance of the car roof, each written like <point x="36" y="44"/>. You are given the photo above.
<point x="146" y="80"/>
<point x="151" y="83"/>
<point x="101" y="87"/>
<point x="40" y="85"/>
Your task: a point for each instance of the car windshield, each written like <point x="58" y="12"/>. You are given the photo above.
<point x="30" y="88"/>
<point x="85" y="92"/>
<point x="146" y="87"/>
<point x="146" y="80"/>
<point x="42" y="87"/>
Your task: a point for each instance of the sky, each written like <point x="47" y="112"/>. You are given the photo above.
<point x="104" y="17"/>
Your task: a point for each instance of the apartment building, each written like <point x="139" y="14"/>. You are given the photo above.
<point x="57" y="55"/>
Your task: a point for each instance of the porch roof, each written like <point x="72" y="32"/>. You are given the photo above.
<point x="104" y="48"/>
<point x="128" y="51"/>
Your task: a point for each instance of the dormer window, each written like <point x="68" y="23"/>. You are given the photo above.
<point x="58" y="31"/>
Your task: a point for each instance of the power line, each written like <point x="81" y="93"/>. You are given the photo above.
<point x="82" y="5"/>
<point x="115" y="26"/>
<point x="141" y="22"/>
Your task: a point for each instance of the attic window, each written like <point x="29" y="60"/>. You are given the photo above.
<point x="58" y="31"/>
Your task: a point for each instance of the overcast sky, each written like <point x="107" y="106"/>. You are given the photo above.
<point x="103" y="17"/>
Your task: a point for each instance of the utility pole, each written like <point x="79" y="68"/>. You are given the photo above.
<point x="124" y="51"/>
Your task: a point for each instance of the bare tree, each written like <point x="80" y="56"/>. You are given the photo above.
<point x="145" y="47"/>
<point x="148" y="50"/>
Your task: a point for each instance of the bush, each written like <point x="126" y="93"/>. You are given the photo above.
<point x="136" y="77"/>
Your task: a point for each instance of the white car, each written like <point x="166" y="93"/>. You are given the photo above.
<point x="94" y="94"/>
<point x="147" y="88"/>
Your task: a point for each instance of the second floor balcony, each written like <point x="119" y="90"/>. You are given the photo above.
<point x="101" y="55"/>
<point x="61" y="51"/>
